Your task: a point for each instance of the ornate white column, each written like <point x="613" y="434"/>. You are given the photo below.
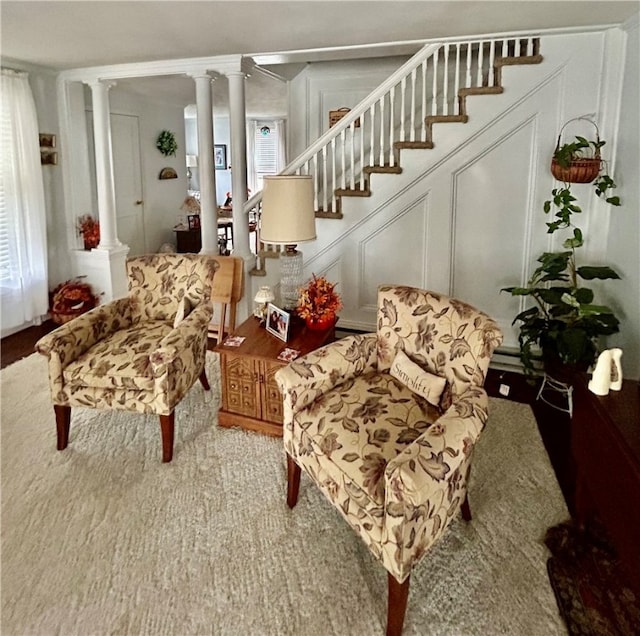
<point x="104" y="165"/>
<point x="105" y="265"/>
<point x="237" y="120"/>
<point x="207" y="173"/>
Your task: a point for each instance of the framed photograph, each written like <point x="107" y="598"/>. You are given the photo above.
<point x="277" y="322"/>
<point x="47" y="140"/>
<point x="220" y="156"/>
<point x="194" y="221"/>
<point x="48" y="157"/>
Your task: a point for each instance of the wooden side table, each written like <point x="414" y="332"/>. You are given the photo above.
<point x="250" y="396"/>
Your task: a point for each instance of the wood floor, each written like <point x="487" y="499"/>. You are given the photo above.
<point x="554" y="425"/>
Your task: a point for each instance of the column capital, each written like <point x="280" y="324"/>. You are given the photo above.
<point x="200" y="75"/>
<point x="98" y="83"/>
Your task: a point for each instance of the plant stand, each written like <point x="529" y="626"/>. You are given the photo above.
<point x="551" y="384"/>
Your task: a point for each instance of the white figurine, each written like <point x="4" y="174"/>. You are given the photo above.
<point x="601" y="378"/>
<point x="616" y="370"/>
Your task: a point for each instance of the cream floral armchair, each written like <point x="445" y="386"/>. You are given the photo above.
<point x="395" y="465"/>
<point x="139" y="353"/>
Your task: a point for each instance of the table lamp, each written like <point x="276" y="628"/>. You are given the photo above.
<point x="288" y="218"/>
<point x="262" y="300"/>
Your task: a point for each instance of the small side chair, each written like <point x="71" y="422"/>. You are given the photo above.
<point x="140" y="353"/>
<point x="385" y="425"/>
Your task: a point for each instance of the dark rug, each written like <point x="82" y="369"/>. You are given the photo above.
<point x="587" y="579"/>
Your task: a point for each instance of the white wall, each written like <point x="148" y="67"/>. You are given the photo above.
<point x="221" y="135"/>
<point x="325" y="86"/>
<point x="623" y="244"/>
<point x="466" y="218"/>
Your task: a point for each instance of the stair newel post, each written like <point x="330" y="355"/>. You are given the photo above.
<point x="413" y="104"/>
<point x="334" y="185"/>
<point x="434" y="85"/>
<point x="316" y="184"/>
<point x="343" y="182"/>
<point x="352" y="153"/>
<point x="362" y="126"/>
<point x="382" y="131"/>
<point x="480" y="63"/>
<point x="456" y="86"/>
<point x="392" y="120"/>
<point x="403" y="90"/>
<point x="492" y="57"/>
<point x="469" y="55"/>
<point x="423" y="111"/>
<point x="324" y="178"/>
<point x="372" y="110"/>
<point x="445" y="81"/>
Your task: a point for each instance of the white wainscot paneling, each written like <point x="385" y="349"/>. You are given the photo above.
<point x="391" y="248"/>
<point x="491" y="226"/>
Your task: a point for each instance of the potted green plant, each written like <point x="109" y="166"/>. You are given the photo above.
<point x="565" y="322"/>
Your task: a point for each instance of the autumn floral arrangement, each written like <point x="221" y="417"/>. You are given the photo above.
<point x="319" y="302"/>
<point x="70" y="299"/>
<point x="89" y="229"/>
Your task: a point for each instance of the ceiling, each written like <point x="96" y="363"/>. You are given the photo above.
<point x="74" y="34"/>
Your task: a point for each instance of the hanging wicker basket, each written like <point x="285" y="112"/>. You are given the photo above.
<point x="582" y="170"/>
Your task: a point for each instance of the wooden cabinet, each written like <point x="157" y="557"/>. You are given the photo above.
<point x="605" y="445"/>
<point x="188" y="241"/>
<point x="250" y="396"/>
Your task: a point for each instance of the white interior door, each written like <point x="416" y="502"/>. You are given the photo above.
<point x="125" y="139"/>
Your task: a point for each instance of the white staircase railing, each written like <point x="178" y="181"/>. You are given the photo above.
<point x="396" y="113"/>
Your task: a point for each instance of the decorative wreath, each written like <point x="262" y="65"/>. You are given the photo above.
<point x="166" y="143"/>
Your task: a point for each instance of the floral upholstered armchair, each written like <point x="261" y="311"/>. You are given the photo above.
<point x="139" y="353"/>
<point x="385" y="424"/>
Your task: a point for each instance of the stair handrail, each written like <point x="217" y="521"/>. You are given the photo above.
<point x="424" y="53"/>
<point x="404" y="71"/>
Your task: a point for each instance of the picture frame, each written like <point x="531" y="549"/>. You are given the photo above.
<point x="277" y="322"/>
<point x="194" y="221"/>
<point x="48" y="158"/>
<point x="220" y="156"/>
<point x="47" y="140"/>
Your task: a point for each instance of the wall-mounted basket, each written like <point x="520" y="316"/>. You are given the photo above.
<point x="578" y="170"/>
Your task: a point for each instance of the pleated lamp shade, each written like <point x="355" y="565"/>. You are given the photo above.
<point x="287" y="215"/>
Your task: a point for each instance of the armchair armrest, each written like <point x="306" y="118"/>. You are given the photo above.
<point x="71" y="340"/>
<point x="190" y="335"/>
<point x="422" y="472"/>
<point x="304" y="380"/>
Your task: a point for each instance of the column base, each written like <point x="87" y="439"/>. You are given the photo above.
<point x="104" y="269"/>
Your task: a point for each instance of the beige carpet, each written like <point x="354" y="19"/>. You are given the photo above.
<point x="103" y="538"/>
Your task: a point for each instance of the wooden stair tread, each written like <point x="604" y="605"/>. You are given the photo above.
<point x="327" y="214"/>
<point x="513" y="61"/>
<point x="386" y="169"/>
<point x="347" y="192"/>
<point x="481" y="90"/>
<point x="446" y="119"/>
<point x="427" y="145"/>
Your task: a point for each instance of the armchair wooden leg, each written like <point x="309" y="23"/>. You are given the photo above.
<point x="204" y="381"/>
<point x="466" y="511"/>
<point x="63" y="423"/>
<point x="397" y="605"/>
<point x="167" y="428"/>
<point x="293" y="481"/>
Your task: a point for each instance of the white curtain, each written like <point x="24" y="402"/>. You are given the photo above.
<point x="23" y="242"/>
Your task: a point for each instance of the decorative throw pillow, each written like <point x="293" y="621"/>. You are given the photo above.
<point x="415" y="378"/>
<point x="184" y="309"/>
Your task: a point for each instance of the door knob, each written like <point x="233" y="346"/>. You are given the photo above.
<point x="139" y="202"/>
